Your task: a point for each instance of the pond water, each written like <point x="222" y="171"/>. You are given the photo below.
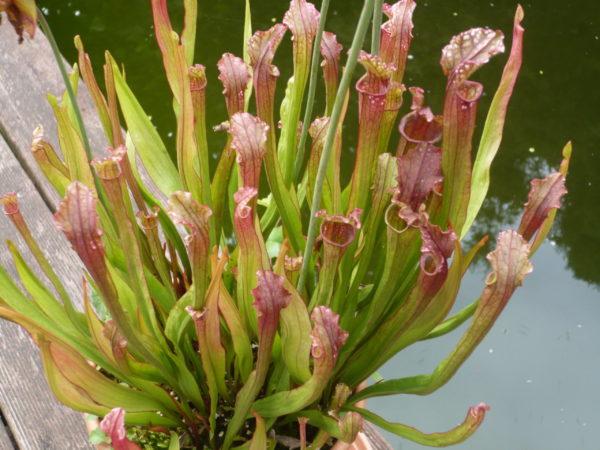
<point x="538" y="367"/>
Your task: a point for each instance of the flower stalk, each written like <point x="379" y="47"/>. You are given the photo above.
<point x="336" y="113"/>
<point x="312" y="89"/>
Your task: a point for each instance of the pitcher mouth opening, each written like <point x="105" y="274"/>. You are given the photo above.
<point x="421" y="126"/>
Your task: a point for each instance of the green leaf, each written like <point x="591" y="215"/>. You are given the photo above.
<point x="331" y="187"/>
<point x="259" y="438"/>
<point x="199" y="318"/>
<point x="270" y="297"/>
<point x="146" y="139"/>
<point x="322" y="421"/>
<point x="213" y="330"/>
<point x="252" y="254"/>
<point x="16" y="302"/>
<point x="452" y="323"/>
<point x="71" y="145"/>
<point x="185" y="210"/>
<point x="66" y="99"/>
<point x="454" y="436"/>
<point x="42" y="296"/>
<point x="109" y="171"/>
<point x="11" y="208"/>
<point x="167" y="226"/>
<point x="328" y="338"/>
<point x="14" y="306"/>
<point x="491" y="137"/>
<point x="89" y="78"/>
<point x="179" y="320"/>
<point x="274" y="241"/>
<point x="302" y="18"/>
<point x="262" y="47"/>
<point x="188" y="35"/>
<point x="428" y="301"/>
<point x="90" y="381"/>
<point x="239" y="334"/>
<point x="174" y="442"/>
<point x="53" y="168"/>
<point x="384" y="180"/>
<point x="295" y="336"/>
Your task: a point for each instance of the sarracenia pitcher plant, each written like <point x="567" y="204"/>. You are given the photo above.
<point x="190" y="328"/>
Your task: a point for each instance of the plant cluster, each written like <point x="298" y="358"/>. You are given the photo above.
<point x="190" y="325"/>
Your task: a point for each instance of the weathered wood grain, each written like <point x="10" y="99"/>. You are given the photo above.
<point x="377" y="441"/>
<point x="5" y="442"/>
<point x="37" y="420"/>
<point x="27" y="73"/>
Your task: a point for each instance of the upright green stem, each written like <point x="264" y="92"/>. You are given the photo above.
<point x="312" y="87"/>
<point x="376" y="30"/>
<point x="357" y="42"/>
<point x="247" y="35"/>
<point x="63" y="72"/>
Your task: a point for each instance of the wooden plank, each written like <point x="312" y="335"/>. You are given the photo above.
<point x="36" y="419"/>
<point x="377" y="441"/>
<point x="5" y="442"/>
<point x="28" y="72"/>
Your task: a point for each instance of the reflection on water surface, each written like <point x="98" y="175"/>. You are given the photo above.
<point x="536" y="367"/>
<point x="556" y="98"/>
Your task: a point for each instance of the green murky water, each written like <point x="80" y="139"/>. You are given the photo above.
<point x="537" y="367"/>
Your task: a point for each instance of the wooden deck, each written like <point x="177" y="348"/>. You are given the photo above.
<point x="31" y="418"/>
